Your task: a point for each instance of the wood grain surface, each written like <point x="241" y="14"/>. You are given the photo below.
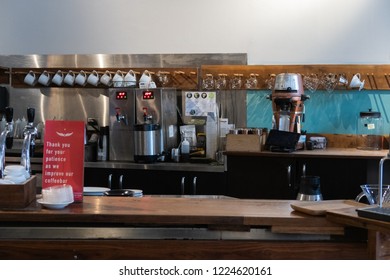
<point x="320" y="208"/>
<point x="345" y="153"/>
<point x="349" y="216"/>
<point x="172" y="211"/>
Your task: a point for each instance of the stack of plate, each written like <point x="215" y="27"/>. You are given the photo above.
<point x="98" y="191"/>
<point x="137" y="193"/>
<point x="94" y="191"/>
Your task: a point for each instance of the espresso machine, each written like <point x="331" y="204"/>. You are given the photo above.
<point x="143" y="123"/>
<point x="288" y="102"/>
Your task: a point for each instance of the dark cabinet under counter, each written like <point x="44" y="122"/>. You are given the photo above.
<point x="260" y="177"/>
<point x="165" y="179"/>
<point x="277" y="175"/>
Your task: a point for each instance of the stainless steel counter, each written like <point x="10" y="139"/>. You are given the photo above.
<point x="167" y="166"/>
<point x="36" y="163"/>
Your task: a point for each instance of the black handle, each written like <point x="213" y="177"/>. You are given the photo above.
<point x="30" y="115"/>
<point x="9" y="114"/>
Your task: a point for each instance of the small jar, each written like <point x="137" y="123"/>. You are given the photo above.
<point x="370" y="131"/>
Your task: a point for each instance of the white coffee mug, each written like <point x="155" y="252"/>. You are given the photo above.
<point x="356" y="82"/>
<point x="44" y="78"/>
<point x="106" y="78"/>
<point x="69" y="78"/>
<point x="81" y="78"/>
<point x="146" y="77"/>
<point x="130" y="79"/>
<point x="146" y="80"/>
<point x="118" y="79"/>
<point x="93" y="78"/>
<point x="30" y="78"/>
<point x="58" y="78"/>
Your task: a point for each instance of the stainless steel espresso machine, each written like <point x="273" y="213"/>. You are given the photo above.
<point x="143" y="124"/>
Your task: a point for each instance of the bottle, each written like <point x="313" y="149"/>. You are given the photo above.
<point x="211" y="135"/>
<point x="185" y="150"/>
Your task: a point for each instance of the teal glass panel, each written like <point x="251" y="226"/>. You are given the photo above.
<point x="327" y="113"/>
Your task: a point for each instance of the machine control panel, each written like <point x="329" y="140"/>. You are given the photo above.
<point x="121" y="95"/>
<point x="147" y="95"/>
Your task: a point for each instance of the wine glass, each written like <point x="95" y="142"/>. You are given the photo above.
<point x="270" y="82"/>
<point x="342" y="81"/>
<point x="329" y="81"/>
<point x="163" y="77"/>
<point x="252" y="81"/>
<point x="311" y="82"/>
<point x="208" y="82"/>
<point x="221" y="82"/>
<point x="236" y="82"/>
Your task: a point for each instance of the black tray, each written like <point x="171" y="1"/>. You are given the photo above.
<point x="376" y="213"/>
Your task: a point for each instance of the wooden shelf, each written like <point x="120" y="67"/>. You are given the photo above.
<point x="183" y="78"/>
<point x="4" y="75"/>
<point x="377" y="77"/>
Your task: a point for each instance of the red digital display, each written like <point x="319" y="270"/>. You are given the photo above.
<point x="147" y="94"/>
<point x="121" y="95"/>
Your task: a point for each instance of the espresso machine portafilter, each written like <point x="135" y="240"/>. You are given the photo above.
<point x="288" y="102"/>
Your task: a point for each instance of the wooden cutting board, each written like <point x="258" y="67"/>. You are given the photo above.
<point x="319" y="208"/>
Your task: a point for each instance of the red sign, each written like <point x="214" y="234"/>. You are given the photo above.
<point x="63" y="156"/>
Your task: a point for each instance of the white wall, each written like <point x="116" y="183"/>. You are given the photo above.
<point x="269" y="31"/>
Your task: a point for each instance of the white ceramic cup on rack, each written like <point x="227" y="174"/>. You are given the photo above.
<point x="44" y="78"/>
<point x="70" y="78"/>
<point x="146" y="80"/>
<point x="118" y="79"/>
<point x="93" y="78"/>
<point x="81" y="78"/>
<point x="356" y="82"/>
<point x="58" y="78"/>
<point x="30" y="78"/>
<point x="106" y="78"/>
<point x="130" y="79"/>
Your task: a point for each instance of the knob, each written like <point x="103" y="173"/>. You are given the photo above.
<point x="30" y="115"/>
<point x="9" y="114"/>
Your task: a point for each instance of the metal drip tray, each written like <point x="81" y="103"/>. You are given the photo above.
<point x="376" y="213"/>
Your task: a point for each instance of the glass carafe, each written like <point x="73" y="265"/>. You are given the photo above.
<point x="370" y="131"/>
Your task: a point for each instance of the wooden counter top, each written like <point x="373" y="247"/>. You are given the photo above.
<point x="351" y="218"/>
<point x="179" y="211"/>
<point x="319" y="153"/>
<point x="378" y="231"/>
<point x="213" y="229"/>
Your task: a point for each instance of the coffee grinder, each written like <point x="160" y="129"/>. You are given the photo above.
<point x="288" y="102"/>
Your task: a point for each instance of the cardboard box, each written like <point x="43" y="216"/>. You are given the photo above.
<point x="244" y="143"/>
<point x="18" y="195"/>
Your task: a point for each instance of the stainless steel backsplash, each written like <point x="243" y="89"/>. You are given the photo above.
<point x="80" y="103"/>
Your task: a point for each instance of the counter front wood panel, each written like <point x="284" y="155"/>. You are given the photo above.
<point x="235" y="215"/>
<point x="379" y="231"/>
<point x="180" y="249"/>
<point x="173" y="211"/>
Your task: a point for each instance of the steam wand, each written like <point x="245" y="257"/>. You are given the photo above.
<point x="6" y="138"/>
<point x="29" y="134"/>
